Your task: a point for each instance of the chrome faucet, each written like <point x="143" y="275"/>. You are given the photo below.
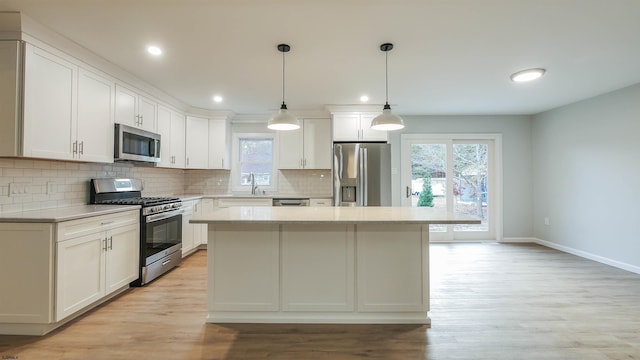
<point x="254" y="187"/>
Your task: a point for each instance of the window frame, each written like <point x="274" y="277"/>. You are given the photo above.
<point x="237" y="168"/>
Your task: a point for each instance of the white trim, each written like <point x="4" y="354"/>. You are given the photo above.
<point x="235" y="173"/>
<point x="590" y="256"/>
<point x="519" y="240"/>
<point x="497" y="188"/>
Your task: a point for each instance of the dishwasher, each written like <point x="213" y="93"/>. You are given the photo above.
<point x="291" y="202"/>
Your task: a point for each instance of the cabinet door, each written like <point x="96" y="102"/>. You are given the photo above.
<point x="197" y="228"/>
<point x="177" y="139"/>
<point x="95" y="117"/>
<point x="197" y="143"/>
<point x="368" y="134"/>
<point x="187" y="229"/>
<point x="79" y="273"/>
<point x="164" y="129"/>
<point x="122" y="257"/>
<point x="346" y="127"/>
<point x="50" y="93"/>
<point x="290" y="148"/>
<point x="218" y="144"/>
<point x="126" y="112"/>
<point x="317" y="144"/>
<point x="147" y="112"/>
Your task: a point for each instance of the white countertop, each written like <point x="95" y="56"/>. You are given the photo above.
<point x="329" y="214"/>
<point x="187" y="197"/>
<point x="63" y="214"/>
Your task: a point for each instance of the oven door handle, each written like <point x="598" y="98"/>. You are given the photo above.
<point x="161" y="216"/>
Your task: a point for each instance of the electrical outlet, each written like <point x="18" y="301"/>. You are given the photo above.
<point x="546" y="220"/>
<point x="51" y="187"/>
<point x="17" y="189"/>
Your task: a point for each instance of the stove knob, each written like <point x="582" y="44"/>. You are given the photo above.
<point x="167" y="207"/>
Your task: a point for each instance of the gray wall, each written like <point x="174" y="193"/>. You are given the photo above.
<point x="516" y="152"/>
<point x="586" y="168"/>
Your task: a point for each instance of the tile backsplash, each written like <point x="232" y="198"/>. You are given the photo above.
<point x="28" y="184"/>
<point x="290" y="182"/>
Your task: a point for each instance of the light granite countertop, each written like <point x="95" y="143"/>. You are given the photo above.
<point x="63" y="214"/>
<point x="330" y="214"/>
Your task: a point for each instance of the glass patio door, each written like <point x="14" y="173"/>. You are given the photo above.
<point x="455" y="173"/>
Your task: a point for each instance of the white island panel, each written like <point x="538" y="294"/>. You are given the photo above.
<point x="244" y="267"/>
<point x="317" y="268"/>
<point x="392" y="275"/>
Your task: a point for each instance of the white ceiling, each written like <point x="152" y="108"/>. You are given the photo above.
<point x="450" y="56"/>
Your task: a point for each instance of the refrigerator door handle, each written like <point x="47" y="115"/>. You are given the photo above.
<point x="365" y="177"/>
<point x="360" y="194"/>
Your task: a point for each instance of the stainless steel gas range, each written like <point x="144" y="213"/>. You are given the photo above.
<point x="160" y="224"/>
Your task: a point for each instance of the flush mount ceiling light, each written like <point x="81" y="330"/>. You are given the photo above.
<point x="364" y="98"/>
<point x="154" y="50"/>
<point x="217" y="98"/>
<point x="387" y="120"/>
<point x="527" y="75"/>
<point x="283" y="120"/>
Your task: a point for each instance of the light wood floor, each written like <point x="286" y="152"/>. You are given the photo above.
<point x="489" y="301"/>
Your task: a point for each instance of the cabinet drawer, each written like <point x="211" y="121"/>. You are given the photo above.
<point x="75" y="228"/>
<point x="320" y="202"/>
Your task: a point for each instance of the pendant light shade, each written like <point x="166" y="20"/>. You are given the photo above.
<point x="283" y="120"/>
<point x="387" y="120"/>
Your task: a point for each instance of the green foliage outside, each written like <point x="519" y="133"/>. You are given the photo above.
<point x="426" y="195"/>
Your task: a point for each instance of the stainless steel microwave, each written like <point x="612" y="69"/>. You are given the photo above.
<point x="133" y="144"/>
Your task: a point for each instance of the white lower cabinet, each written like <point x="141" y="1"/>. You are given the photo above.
<point x="187" y="229"/>
<point x="92" y="266"/>
<point x="54" y="271"/>
<point x="194" y="235"/>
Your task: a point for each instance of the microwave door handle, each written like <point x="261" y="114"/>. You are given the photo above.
<point x="155" y="148"/>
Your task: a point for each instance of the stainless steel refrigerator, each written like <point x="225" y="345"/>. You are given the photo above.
<point x="361" y="174"/>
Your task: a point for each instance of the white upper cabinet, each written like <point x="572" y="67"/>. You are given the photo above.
<point x="219" y="140"/>
<point x="197" y="143"/>
<point x="171" y="127"/>
<point x="96" y="100"/>
<point x="134" y="109"/>
<point x="306" y="148"/>
<point x="50" y="95"/>
<point x="356" y="127"/>
<point x="68" y="111"/>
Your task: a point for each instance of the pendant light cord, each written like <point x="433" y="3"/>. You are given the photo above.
<point x="386" y="77"/>
<point x="283" y="78"/>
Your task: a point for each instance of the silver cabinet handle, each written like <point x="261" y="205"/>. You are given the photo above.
<point x="110" y="242"/>
<point x="107" y="222"/>
<point x="105" y="244"/>
<point x="141" y="119"/>
<point x="81" y="148"/>
<point x="187" y="161"/>
<point x="222" y="163"/>
<point x="75" y="147"/>
<point x="408" y="191"/>
<point x="166" y="262"/>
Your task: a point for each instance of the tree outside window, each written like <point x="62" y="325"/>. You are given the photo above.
<point x="256" y="157"/>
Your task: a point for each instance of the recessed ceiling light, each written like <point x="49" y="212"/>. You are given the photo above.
<point x="154" y="50"/>
<point x="217" y="98"/>
<point x="527" y="75"/>
<point x="364" y="98"/>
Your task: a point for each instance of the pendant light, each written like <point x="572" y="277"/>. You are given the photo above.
<point x="387" y="120"/>
<point x="283" y="120"/>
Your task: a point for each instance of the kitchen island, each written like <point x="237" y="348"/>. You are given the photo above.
<point x="320" y="264"/>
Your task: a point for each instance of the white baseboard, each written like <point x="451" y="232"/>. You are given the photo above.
<point x="518" y="240"/>
<point x="590" y="256"/>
